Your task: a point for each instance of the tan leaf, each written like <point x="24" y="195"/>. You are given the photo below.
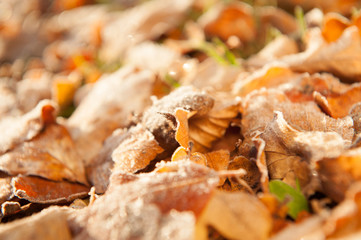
<point x="160" y="120"/>
<point x="51" y="154"/>
<point x="234" y="216"/>
<point x="49" y="224"/>
<point x="267" y="77"/>
<point x="341" y="57"/>
<point x="38" y="190"/>
<point x="339" y="106"/>
<point x="229" y="20"/>
<point x="137" y="148"/>
<point x="290" y="154"/>
<point x="149" y="203"/>
<point x="15" y="130"/>
<point x="338" y="173"/>
<point x="105" y="108"/>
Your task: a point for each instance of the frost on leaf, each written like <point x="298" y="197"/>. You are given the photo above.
<point x="229" y="214"/>
<point x="106" y="108"/>
<point x="149" y="205"/>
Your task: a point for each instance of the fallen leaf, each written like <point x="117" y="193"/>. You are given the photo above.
<point x="340" y="57"/>
<point x="49" y="224"/>
<point x="18" y="129"/>
<point x="340" y="172"/>
<point x="104" y="109"/>
<point x="231" y="220"/>
<point x="151" y="203"/>
<point x="338" y="106"/>
<point x="229" y="20"/>
<point x="38" y="190"/>
<point x="159" y="118"/>
<point x="51" y="154"/>
<point x="137" y="148"/>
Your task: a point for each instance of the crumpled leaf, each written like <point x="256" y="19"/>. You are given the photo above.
<point x="209" y="74"/>
<point x="338" y="106"/>
<point x="38" y="190"/>
<point x="341" y="57"/>
<point x="229" y="20"/>
<point x="34" y="87"/>
<point x="277" y="48"/>
<point x="148" y="201"/>
<point x="105" y="108"/>
<point x="23" y="128"/>
<point x="136" y="150"/>
<point x="267" y="77"/>
<point x="338" y="173"/>
<point x="146" y="21"/>
<point x="258" y="110"/>
<point x="49" y="224"/>
<point x="51" y="154"/>
<point x="290" y="154"/>
<point x="159" y="118"/>
<point x="230" y="214"/>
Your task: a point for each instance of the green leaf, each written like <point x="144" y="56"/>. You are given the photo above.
<point x="296" y="201"/>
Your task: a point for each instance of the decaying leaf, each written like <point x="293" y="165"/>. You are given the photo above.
<point x="290" y="154"/>
<point x="159" y="118"/>
<point x="339" y="106"/>
<point x="225" y="21"/>
<point x="338" y="173"/>
<point x="50" y="154"/>
<point x="49" y="224"/>
<point x="229" y="214"/>
<point x="104" y="109"/>
<point x="137" y="148"/>
<point x="39" y="190"/>
<point x="267" y="77"/>
<point x="149" y="204"/>
<point x="341" y="57"/>
<point x="22" y="128"/>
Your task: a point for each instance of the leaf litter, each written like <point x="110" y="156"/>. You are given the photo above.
<point x="183" y="119"/>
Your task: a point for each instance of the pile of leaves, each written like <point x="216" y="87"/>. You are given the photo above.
<point x="183" y="119"/>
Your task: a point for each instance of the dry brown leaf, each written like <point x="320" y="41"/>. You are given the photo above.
<point x="160" y="120"/>
<point x="259" y="106"/>
<point x="338" y="173"/>
<point x="137" y="148"/>
<point x="49" y="224"/>
<point x="16" y="130"/>
<point x="277" y="48"/>
<point x="338" y="106"/>
<point x="105" y="108"/>
<point x="51" y="154"/>
<point x="38" y="190"/>
<point x="211" y="75"/>
<point x="235" y="216"/>
<point x="305" y="87"/>
<point x="146" y="21"/>
<point x="291" y="154"/>
<point x="148" y="203"/>
<point x="341" y="57"/>
<point x="34" y="87"/>
<point x="252" y="176"/>
<point x="234" y="19"/>
<point x="267" y="77"/>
